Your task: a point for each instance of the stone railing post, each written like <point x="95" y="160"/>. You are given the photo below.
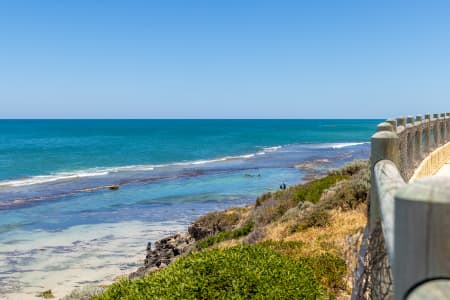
<point x="401" y="121"/>
<point x="384" y="145"/>
<point x="448" y="126"/>
<point x="442" y="128"/>
<point x="393" y="123"/>
<point x="427" y="132"/>
<point x="421" y="234"/>
<point x="410" y="136"/>
<point x="418" y="139"/>
<point x="437" y="132"/>
<point x="401" y="126"/>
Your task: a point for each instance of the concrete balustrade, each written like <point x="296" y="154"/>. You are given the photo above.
<point x="418" y="137"/>
<point x="413" y="214"/>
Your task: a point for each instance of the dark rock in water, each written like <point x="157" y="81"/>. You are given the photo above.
<point x="166" y="250"/>
<point x="114" y="187"/>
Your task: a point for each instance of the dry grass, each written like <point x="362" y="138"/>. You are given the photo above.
<point x="332" y="239"/>
<point x="244" y="213"/>
<point x="227" y="244"/>
<point x="322" y="239"/>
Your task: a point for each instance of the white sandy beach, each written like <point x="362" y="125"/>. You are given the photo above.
<point x="80" y="255"/>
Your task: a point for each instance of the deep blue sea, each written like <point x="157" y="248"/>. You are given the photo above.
<point x="60" y="225"/>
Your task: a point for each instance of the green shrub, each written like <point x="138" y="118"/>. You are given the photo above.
<point x="351" y="168"/>
<point x="349" y="194"/>
<point x="273" y="207"/>
<point x="313" y="190"/>
<point x="48" y="294"/>
<point x="287" y="248"/>
<point x="242" y="272"/>
<point x="220" y="220"/>
<point x="328" y="269"/>
<point x="360" y="184"/>
<point x="344" y="198"/>
<point x="225" y="235"/>
<point x="84" y="293"/>
<point x="317" y="217"/>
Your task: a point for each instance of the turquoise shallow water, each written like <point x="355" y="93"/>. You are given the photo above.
<point x="42" y="147"/>
<point x="55" y="209"/>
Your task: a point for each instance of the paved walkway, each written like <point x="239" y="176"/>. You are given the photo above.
<point x="444" y="171"/>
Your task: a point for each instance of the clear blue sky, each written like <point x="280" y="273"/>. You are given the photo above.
<point x="223" y="59"/>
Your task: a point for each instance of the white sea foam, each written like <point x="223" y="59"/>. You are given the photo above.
<point x="226" y="158"/>
<point x="271" y="149"/>
<point x="344" y="145"/>
<point x="94" y="172"/>
<point x="268" y="149"/>
<point x="50" y="178"/>
<point x="338" y="145"/>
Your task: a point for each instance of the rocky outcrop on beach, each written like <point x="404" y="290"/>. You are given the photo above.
<point x="165" y="251"/>
<point x="215" y="222"/>
<point x="199" y="231"/>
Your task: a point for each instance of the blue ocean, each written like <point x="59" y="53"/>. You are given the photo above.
<point x="62" y="227"/>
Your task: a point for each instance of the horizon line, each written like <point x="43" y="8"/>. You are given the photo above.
<point x="193" y="118"/>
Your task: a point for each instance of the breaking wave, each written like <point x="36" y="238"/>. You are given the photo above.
<point x="103" y="171"/>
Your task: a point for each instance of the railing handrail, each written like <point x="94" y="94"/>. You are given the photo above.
<point x="388" y="182"/>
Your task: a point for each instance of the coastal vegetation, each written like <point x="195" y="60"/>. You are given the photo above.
<point x="240" y="272"/>
<point x="48" y="294"/>
<point x="85" y="293"/>
<point x="226" y="235"/>
<point x="298" y="243"/>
